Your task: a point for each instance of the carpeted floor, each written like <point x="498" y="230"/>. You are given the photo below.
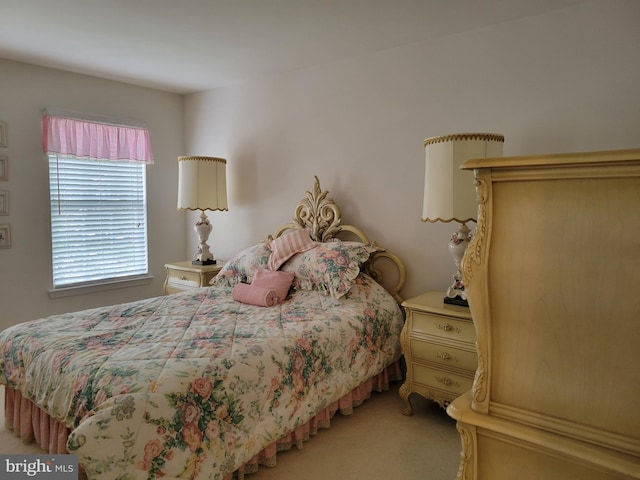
<point x="375" y="442"/>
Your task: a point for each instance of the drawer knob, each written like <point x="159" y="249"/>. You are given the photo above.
<point x="447" y="327"/>
<point x="445" y="356"/>
<point x="447" y="381"/>
<point x="183" y="278"/>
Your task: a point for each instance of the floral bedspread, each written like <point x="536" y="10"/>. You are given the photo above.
<point x="193" y="385"/>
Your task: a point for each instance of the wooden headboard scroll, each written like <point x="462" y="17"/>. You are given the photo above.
<point x="321" y="215"/>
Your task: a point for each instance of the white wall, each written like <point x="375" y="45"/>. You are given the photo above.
<point x="560" y="82"/>
<point x="25" y="269"/>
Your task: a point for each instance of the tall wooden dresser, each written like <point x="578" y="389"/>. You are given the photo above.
<point x="553" y="278"/>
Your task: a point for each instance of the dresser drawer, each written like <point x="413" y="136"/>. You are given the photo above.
<point x="435" y="378"/>
<point x="183" y="276"/>
<point x="183" y="279"/>
<point x="444" y="355"/>
<point x="445" y="327"/>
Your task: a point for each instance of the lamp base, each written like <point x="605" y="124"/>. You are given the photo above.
<point x="457" y="246"/>
<point x="203" y="255"/>
<point x="203" y="262"/>
<point x="457" y="300"/>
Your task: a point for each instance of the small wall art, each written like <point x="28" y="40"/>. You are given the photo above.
<point x="5" y="236"/>
<point x="4" y="202"/>
<point x="4" y="168"/>
<point x="3" y="134"/>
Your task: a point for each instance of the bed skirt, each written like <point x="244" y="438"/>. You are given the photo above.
<point x="31" y="423"/>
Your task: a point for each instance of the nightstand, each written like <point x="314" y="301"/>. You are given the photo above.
<point x="438" y="343"/>
<point x="182" y="276"/>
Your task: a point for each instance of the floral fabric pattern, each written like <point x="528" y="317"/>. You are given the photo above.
<point x="193" y="385"/>
<point x="331" y="267"/>
<point x="242" y="267"/>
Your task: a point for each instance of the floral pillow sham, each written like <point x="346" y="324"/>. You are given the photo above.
<point x="242" y="267"/>
<point x="331" y="267"/>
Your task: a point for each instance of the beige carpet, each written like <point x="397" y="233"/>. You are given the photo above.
<point x="375" y="442"/>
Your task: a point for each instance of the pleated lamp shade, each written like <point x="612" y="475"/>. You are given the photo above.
<point x="449" y="193"/>
<point x="202" y="183"/>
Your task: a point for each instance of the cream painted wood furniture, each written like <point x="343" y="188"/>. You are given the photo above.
<point x="182" y="276"/>
<point x="552" y="278"/>
<point x="438" y="346"/>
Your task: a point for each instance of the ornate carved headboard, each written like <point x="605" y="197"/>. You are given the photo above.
<point x="321" y="215"/>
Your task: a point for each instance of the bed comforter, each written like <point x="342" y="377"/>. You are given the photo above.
<point x="192" y="385"/>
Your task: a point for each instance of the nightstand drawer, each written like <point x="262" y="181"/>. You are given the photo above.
<point x="183" y="276"/>
<point x="432" y="377"/>
<point x="441" y="326"/>
<point x="184" y="279"/>
<point x="444" y="355"/>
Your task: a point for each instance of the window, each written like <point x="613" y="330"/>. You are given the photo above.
<point x="97" y="186"/>
<point x="98" y="220"/>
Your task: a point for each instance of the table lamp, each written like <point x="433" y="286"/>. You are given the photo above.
<point x="202" y="185"/>
<point x="449" y="192"/>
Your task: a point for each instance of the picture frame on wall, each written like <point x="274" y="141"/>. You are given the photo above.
<point x="4" y="202"/>
<point x="3" y="134"/>
<point x="5" y="236"/>
<point x="4" y="168"/>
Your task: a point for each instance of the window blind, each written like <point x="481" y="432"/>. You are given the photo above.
<point x="98" y="220"/>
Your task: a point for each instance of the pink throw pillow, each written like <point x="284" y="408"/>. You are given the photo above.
<point x="252" y="295"/>
<point x="278" y="281"/>
<point x="287" y="245"/>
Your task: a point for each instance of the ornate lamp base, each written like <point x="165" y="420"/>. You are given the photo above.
<point x="203" y="255"/>
<point x="457" y="300"/>
<point x="457" y="246"/>
<point x="203" y="262"/>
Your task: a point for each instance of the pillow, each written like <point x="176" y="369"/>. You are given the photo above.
<point x="252" y="295"/>
<point x="274" y="280"/>
<point x="330" y="267"/>
<point x="287" y="245"/>
<point x="242" y="267"/>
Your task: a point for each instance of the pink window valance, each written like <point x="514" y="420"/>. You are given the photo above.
<point x="83" y="138"/>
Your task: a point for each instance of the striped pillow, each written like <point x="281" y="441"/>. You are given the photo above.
<point x="287" y="245"/>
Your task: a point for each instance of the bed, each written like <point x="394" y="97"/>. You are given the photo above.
<point x="200" y="385"/>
